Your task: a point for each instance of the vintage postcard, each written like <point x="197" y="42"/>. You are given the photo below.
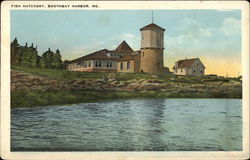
<point x="124" y="80"/>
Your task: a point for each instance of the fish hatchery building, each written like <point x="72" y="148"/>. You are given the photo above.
<point x="149" y="58"/>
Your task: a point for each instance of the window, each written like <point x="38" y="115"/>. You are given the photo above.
<point x="128" y="65"/>
<point x="99" y="64"/>
<point x="96" y="63"/>
<point x="109" y="65"/>
<point x="181" y="70"/>
<point x="121" y="66"/>
<point x="201" y="71"/>
<point x="194" y="70"/>
<point x="89" y="64"/>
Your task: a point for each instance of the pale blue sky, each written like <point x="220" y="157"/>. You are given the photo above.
<point x="189" y="33"/>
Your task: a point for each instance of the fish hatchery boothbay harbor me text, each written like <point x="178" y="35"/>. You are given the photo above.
<point x="148" y="59"/>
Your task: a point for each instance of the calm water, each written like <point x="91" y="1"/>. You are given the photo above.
<point x="130" y="125"/>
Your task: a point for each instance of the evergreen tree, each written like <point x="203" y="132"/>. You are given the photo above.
<point x="57" y="60"/>
<point x="46" y="60"/>
<point x="14" y="49"/>
<point x="28" y="57"/>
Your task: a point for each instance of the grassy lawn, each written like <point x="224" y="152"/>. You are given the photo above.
<point x="54" y="73"/>
<point x="65" y="74"/>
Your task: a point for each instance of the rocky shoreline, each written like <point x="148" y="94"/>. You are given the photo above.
<point x="173" y="87"/>
<point x="23" y="81"/>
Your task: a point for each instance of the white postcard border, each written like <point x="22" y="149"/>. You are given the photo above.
<point x="132" y="5"/>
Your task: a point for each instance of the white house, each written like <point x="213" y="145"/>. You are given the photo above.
<point x="192" y="67"/>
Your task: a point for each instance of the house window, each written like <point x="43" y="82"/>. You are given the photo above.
<point x="121" y="66"/>
<point x="99" y="64"/>
<point x="109" y="65"/>
<point x="128" y="65"/>
<point x="96" y="63"/>
<point x="194" y="70"/>
<point x="89" y="64"/>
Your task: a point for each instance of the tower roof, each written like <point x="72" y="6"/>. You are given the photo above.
<point x="151" y="26"/>
<point x="124" y="47"/>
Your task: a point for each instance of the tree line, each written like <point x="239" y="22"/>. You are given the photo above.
<point x="27" y="56"/>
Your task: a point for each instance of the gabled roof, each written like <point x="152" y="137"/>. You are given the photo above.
<point x="101" y="54"/>
<point x="124" y="47"/>
<point x="130" y="57"/>
<point x="152" y="26"/>
<point x="185" y="63"/>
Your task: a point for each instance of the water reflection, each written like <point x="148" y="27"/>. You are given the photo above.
<point x="130" y="125"/>
<point x="155" y="118"/>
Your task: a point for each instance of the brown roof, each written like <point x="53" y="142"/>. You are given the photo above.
<point x="130" y="57"/>
<point x="152" y="26"/>
<point x="101" y="54"/>
<point x="185" y="63"/>
<point x="124" y="47"/>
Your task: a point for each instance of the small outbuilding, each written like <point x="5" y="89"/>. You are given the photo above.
<point x="192" y="67"/>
